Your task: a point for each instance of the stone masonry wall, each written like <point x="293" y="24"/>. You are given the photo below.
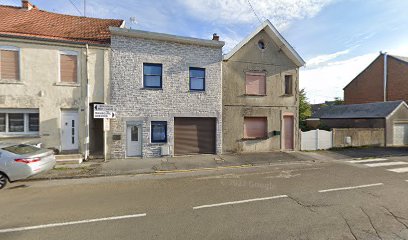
<point x="140" y="106"/>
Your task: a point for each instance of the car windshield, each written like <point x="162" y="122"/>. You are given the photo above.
<point x="21" y="149"/>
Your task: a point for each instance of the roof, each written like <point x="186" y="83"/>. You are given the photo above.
<point x="165" y="37"/>
<point x="366" y="110"/>
<point x="276" y="37"/>
<point x="39" y="24"/>
<point x="404" y="59"/>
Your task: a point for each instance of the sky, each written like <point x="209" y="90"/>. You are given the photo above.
<point x="337" y="38"/>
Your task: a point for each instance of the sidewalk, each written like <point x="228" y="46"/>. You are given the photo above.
<point x="163" y="165"/>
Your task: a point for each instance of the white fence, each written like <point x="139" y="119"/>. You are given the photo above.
<point x="316" y="139"/>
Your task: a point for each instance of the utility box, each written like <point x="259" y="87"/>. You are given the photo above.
<point x="276" y="133"/>
<point x="165" y="150"/>
<point x="347" y="140"/>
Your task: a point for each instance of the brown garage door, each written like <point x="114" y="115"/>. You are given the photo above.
<point x="194" y="135"/>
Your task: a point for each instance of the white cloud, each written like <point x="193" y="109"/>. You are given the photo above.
<point x="327" y="82"/>
<point x="325" y="58"/>
<point x="280" y="12"/>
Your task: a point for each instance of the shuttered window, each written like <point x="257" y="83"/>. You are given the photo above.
<point x="255" y="83"/>
<point x="255" y="127"/>
<point x="288" y="85"/>
<point x="9" y="65"/>
<point x="68" y="68"/>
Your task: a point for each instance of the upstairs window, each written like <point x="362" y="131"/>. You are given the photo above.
<point x="255" y="127"/>
<point x="69" y="67"/>
<point x="152" y="75"/>
<point x="288" y="85"/>
<point x="255" y="83"/>
<point x="197" y="79"/>
<point x="9" y="63"/>
<point x="158" y="132"/>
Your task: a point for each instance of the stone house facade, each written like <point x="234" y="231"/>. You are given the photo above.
<point x="167" y="93"/>
<point x="261" y="94"/>
<point x="372" y="85"/>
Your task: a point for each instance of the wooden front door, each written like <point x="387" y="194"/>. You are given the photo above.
<point x="288" y="132"/>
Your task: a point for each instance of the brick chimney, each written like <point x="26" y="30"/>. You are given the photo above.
<point x="216" y="37"/>
<point x="26" y="5"/>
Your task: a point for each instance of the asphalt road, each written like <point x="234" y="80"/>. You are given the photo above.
<point x="322" y="200"/>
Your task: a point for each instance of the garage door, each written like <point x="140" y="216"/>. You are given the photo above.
<point x="194" y="135"/>
<point x="400" y="134"/>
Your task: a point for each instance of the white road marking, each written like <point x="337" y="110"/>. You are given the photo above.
<point x="368" y="160"/>
<point x="399" y="170"/>
<point x="241" y="201"/>
<point x="348" y="188"/>
<point x="19" y="229"/>
<point x="385" y="164"/>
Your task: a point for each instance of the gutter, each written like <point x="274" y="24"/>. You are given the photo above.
<point x="86" y="105"/>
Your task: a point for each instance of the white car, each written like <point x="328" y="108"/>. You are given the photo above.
<point x="20" y="161"/>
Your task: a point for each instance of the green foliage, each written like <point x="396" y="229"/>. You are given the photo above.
<point x="338" y="101"/>
<point x="305" y="110"/>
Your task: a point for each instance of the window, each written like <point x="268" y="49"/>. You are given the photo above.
<point x="255" y="127"/>
<point x="19" y="121"/>
<point x="152" y="75"/>
<point x="134" y="134"/>
<point x="197" y="79"/>
<point x="69" y="67"/>
<point x="159" y="132"/>
<point x="261" y="44"/>
<point x="288" y="84"/>
<point x="9" y="63"/>
<point x="255" y="83"/>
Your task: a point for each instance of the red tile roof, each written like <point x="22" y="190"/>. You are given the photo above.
<point x="35" y="23"/>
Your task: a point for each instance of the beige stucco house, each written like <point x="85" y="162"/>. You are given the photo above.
<point x="261" y="93"/>
<point x="53" y="67"/>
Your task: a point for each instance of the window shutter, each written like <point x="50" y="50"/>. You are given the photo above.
<point x="68" y="68"/>
<point x="255" y="83"/>
<point x="255" y="127"/>
<point x="9" y="68"/>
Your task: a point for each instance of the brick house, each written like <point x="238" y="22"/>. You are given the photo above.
<point x="261" y="93"/>
<point x="372" y="85"/>
<point x="53" y="67"/>
<point x="167" y="92"/>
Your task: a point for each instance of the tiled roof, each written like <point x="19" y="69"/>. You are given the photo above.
<point x="35" y="23"/>
<point x="366" y="110"/>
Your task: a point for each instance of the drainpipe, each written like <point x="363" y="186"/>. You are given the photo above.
<point x="385" y="76"/>
<point x="86" y="106"/>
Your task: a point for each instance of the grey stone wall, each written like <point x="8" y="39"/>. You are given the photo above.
<point x="141" y="106"/>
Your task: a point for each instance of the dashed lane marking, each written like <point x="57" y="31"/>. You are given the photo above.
<point x="19" y="229"/>
<point x="349" y="188"/>
<point x="238" y="202"/>
<point x="399" y="170"/>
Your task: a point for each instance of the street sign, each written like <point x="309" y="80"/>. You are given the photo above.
<point x="104" y="111"/>
<point x="104" y="114"/>
<point x="104" y="107"/>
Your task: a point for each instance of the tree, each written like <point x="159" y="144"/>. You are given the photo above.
<point x="338" y="101"/>
<point x="305" y="110"/>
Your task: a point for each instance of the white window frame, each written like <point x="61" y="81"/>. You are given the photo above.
<point x="26" y="122"/>
<point x="69" y="53"/>
<point x="17" y="49"/>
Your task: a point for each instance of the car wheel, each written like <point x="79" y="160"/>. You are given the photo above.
<point x="3" y="180"/>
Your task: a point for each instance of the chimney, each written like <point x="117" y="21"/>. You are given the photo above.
<point x="25" y="4"/>
<point x="216" y="37"/>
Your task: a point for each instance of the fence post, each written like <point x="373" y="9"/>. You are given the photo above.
<point x="317" y="139"/>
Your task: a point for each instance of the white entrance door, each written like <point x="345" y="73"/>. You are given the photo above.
<point x="69" y="130"/>
<point x="134" y="143"/>
<point x="400" y="134"/>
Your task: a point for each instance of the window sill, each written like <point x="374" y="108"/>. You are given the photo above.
<point x="152" y="88"/>
<point x="158" y="143"/>
<point x="67" y="84"/>
<point x="196" y="91"/>
<point x="19" y="135"/>
<point x="255" y="95"/>
<point x="249" y="139"/>
<point x="287" y="95"/>
<point x="4" y="81"/>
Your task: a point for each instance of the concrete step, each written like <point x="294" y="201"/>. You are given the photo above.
<point x="69" y="159"/>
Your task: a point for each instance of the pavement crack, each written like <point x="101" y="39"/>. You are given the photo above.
<point x="349" y="227"/>
<point x="371" y="223"/>
<point x="307" y="206"/>
<point x="397" y="218"/>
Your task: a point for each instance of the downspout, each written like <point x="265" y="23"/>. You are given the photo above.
<point x="87" y="106"/>
<point x="385" y="76"/>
